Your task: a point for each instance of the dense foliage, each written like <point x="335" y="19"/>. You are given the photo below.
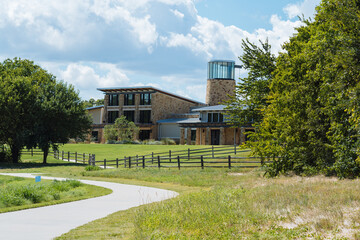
<point x="250" y="100"/>
<point x="36" y="110"/>
<point x="312" y="119"/>
<point x="93" y="103"/>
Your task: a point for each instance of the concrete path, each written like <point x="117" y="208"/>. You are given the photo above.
<point x="52" y="221"/>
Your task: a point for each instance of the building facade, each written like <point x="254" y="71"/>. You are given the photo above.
<point x="161" y="114"/>
<point x="144" y="106"/>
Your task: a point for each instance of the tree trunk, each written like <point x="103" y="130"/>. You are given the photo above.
<point x="46" y="152"/>
<point x="15" y="153"/>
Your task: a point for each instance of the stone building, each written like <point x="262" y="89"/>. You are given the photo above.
<point x="144" y="106"/>
<point x="161" y="114"/>
<point x="211" y="127"/>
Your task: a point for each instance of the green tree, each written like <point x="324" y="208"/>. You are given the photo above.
<point x="121" y="130"/>
<point x="19" y="84"/>
<point x="312" y="122"/>
<point x="35" y="109"/>
<point x="92" y="102"/>
<point x="62" y="116"/>
<point x="251" y="92"/>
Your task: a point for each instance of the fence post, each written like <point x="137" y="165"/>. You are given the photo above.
<point x="202" y="162"/>
<point x="178" y="161"/>
<point x="124" y="161"/>
<point x="75" y="157"/>
<point x="229" y="160"/>
<point x="104" y="163"/>
<point x="89" y="160"/>
<point x="62" y="156"/>
<point x="129" y="162"/>
<point x="152" y="158"/>
<point x="93" y="156"/>
<point x="117" y="163"/>
<point x="84" y="158"/>
<point x="188" y="153"/>
<point x="235" y="149"/>
<point x="68" y="156"/>
<point x="137" y="160"/>
<point x="159" y="161"/>
<point x="170" y="155"/>
<point x="32" y="152"/>
<point x="212" y="149"/>
<point x="143" y="161"/>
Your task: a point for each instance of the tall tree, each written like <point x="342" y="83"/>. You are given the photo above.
<point x="35" y="110"/>
<point x="313" y="120"/>
<point x="19" y="84"/>
<point x="252" y="91"/>
<point x="62" y="116"/>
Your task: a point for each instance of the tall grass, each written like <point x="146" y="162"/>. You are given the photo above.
<point x="20" y="191"/>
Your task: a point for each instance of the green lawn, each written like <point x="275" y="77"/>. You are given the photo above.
<point x="113" y="151"/>
<point x="219" y="203"/>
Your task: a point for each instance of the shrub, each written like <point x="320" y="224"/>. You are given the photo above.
<point x="5" y="154"/>
<point x="168" y="141"/>
<point x="110" y="142"/>
<point x="92" y="168"/>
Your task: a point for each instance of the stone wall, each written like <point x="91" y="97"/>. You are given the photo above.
<point x="217" y="91"/>
<point x="163" y="106"/>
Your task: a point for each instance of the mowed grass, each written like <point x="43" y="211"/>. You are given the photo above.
<point x="113" y="151"/>
<point x="21" y="193"/>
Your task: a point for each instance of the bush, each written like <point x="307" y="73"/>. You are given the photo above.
<point x="110" y="142"/>
<point x="168" y="141"/>
<point x="92" y="168"/>
<point x="5" y="154"/>
<point x="152" y="142"/>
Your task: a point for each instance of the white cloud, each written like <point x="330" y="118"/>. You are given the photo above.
<point x="84" y="76"/>
<point x="306" y="7"/>
<point x="177" y="13"/>
<point x="211" y="38"/>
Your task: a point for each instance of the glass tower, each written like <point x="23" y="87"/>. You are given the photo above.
<point x="219" y="69"/>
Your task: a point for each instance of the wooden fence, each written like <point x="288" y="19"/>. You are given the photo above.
<point x="215" y="157"/>
<point x="84" y="158"/>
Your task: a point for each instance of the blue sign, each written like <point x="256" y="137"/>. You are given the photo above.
<point x="38" y="179"/>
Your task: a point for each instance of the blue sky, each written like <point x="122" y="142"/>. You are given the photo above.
<point x="162" y="43"/>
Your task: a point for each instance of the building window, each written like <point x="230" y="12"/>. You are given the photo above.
<point x="130" y="115"/>
<point x="145" y="99"/>
<point x="193" y="135"/>
<point x="215" y="117"/>
<point x="94" y="136"/>
<point x="129" y="99"/>
<point x="113" y="100"/>
<point x="112" y="116"/>
<point x="145" y="116"/>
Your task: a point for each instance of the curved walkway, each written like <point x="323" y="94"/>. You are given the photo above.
<point x="52" y="221"/>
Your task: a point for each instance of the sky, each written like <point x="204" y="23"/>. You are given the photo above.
<point x="127" y="43"/>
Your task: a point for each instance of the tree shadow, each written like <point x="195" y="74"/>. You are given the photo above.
<point x="37" y="165"/>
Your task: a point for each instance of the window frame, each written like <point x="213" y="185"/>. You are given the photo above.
<point x="127" y="101"/>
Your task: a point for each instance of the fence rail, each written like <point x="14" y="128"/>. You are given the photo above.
<point x="211" y="157"/>
<point x="84" y="158"/>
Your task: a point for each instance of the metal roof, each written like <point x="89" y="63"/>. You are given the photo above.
<point x="180" y="120"/>
<point x="90" y="108"/>
<point x="144" y="89"/>
<point x="210" y="108"/>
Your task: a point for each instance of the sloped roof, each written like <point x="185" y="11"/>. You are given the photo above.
<point x="91" y="108"/>
<point x="210" y="108"/>
<point x="179" y="120"/>
<point x="144" y="89"/>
